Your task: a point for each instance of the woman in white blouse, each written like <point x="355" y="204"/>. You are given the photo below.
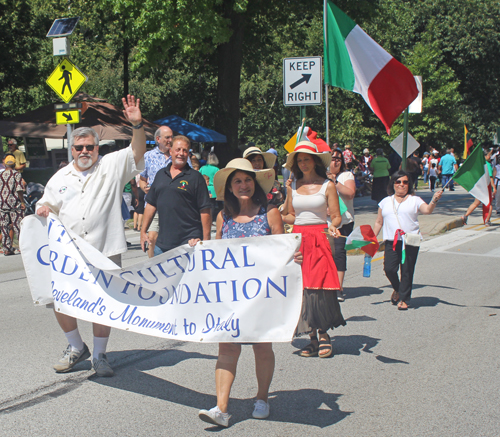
<point x="398" y="216"/>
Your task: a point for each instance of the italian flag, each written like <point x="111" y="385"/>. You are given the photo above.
<point x="355" y="62"/>
<point x="474" y="176"/>
<point x="363" y="238"/>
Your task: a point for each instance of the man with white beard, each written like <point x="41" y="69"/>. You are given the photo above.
<point x="86" y="195"/>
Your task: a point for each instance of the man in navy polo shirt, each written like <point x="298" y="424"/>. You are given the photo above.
<point x="179" y="194"/>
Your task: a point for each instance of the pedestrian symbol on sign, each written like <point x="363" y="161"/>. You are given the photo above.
<point x="67" y="79"/>
<point x="72" y="80"/>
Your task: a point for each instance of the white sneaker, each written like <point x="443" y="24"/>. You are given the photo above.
<point x="215" y="416"/>
<point x="261" y="410"/>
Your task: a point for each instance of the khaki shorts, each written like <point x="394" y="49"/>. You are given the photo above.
<point x="155" y="224"/>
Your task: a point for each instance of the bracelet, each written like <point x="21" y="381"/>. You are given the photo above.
<point x="434" y="201"/>
<point x="138" y="126"/>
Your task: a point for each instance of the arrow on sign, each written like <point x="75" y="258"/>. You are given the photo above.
<point x="68" y="117"/>
<point x="305" y="78"/>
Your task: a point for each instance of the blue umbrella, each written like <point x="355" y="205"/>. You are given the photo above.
<point x="192" y="131"/>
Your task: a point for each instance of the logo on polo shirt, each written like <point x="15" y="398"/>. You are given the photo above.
<point x="183" y="185"/>
<point x="62" y="190"/>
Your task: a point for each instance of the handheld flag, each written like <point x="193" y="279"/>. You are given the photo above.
<point x="474" y="176"/>
<point x="355" y="62"/>
<point x="363" y="238"/>
<point x="467" y="143"/>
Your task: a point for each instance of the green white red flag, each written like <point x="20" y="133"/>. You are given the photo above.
<point x="363" y="238"/>
<point x="474" y="176"/>
<point x="355" y="62"/>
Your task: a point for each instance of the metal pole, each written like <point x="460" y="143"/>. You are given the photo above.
<point x="69" y="129"/>
<point x="405" y="140"/>
<point x="325" y="39"/>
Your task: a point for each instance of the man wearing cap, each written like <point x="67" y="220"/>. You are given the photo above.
<point x="11" y="203"/>
<point x="180" y="198"/>
<point x="87" y="195"/>
<point x="20" y="158"/>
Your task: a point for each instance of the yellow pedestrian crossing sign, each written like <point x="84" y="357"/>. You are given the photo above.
<point x="66" y="80"/>
<point x="68" y="117"/>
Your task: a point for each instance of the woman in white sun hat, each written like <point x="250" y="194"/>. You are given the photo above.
<point x="263" y="160"/>
<point x="246" y="214"/>
<point x="313" y="196"/>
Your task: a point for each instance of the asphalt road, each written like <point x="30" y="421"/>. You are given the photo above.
<point x="430" y="371"/>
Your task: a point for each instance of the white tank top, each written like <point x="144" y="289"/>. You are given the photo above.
<point x="310" y="209"/>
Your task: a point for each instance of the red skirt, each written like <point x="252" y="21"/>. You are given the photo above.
<point x="318" y="269"/>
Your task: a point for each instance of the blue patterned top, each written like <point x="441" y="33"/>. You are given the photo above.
<point x="154" y="161"/>
<point x="255" y="228"/>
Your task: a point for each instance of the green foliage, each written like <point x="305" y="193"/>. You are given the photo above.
<point x="178" y="63"/>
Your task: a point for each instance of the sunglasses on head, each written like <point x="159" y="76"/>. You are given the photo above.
<point x="401" y="182"/>
<point x="80" y="148"/>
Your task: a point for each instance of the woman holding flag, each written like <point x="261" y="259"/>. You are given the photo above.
<point x="398" y="216"/>
<point x="312" y="194"/>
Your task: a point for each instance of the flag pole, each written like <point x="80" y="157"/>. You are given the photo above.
<point x="405" y="140"/>
<point x="325" y="39"/>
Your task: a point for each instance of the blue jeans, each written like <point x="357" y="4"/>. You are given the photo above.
<point x="158" y="251"/>
<point x="444" y="180"/>
<point x="426" y="172"/>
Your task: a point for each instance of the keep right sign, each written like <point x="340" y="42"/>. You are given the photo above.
<point x="302" y="81"/>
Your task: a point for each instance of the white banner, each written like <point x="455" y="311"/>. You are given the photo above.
<point x="236" y="290"/>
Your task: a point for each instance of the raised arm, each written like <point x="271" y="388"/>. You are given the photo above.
<point x="133" y="114"/>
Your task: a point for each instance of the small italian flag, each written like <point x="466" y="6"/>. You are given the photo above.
<point x="474" y="176"/>
<point x="355" y="62"/>
<point x="363" y="238"/>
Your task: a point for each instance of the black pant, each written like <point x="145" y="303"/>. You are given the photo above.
<point x="392" y="263"/>
<point x="433" y="181"/>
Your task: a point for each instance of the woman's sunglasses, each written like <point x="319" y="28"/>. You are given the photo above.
<point x="400" y="182"/>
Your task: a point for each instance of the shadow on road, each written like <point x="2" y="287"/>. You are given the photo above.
<point x="307" y="406"/>
<point x="354" y="292"/>
<point x="351" y="345"/>
<point x="428" y="301"/>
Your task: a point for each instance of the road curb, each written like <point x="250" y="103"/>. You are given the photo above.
<point x="441" y="227"/>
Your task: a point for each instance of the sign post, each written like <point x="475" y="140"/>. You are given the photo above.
<point x="302" y="83"/>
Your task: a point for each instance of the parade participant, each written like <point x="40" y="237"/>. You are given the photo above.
<point x="365" y="161"/>
<point x="259" y="159"/>
<point x="155" y="160"/>
<point x="398" y="216"/>
<point x="447" y="166"/>
<point x="87" y="196"/>
<point x="246" y="214"/>
<point x="492" y="187"/>
<point x="264" y="160"/>
<point x="348" y="156"/>
<point x="11" y="203"/>
<point x="20" y="158"/>
<point x="380" y="167"/>
<point x="312" y="193"/>
<point x="346" y="189"/>
<point x="180" y="198"/>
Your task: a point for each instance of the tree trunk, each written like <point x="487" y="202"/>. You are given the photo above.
<point x="230" y="58"/>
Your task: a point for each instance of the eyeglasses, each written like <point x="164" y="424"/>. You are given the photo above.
<point x="336" y="158"/>
<point x="400" y="182"/>
<point x="80" y="148"/>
